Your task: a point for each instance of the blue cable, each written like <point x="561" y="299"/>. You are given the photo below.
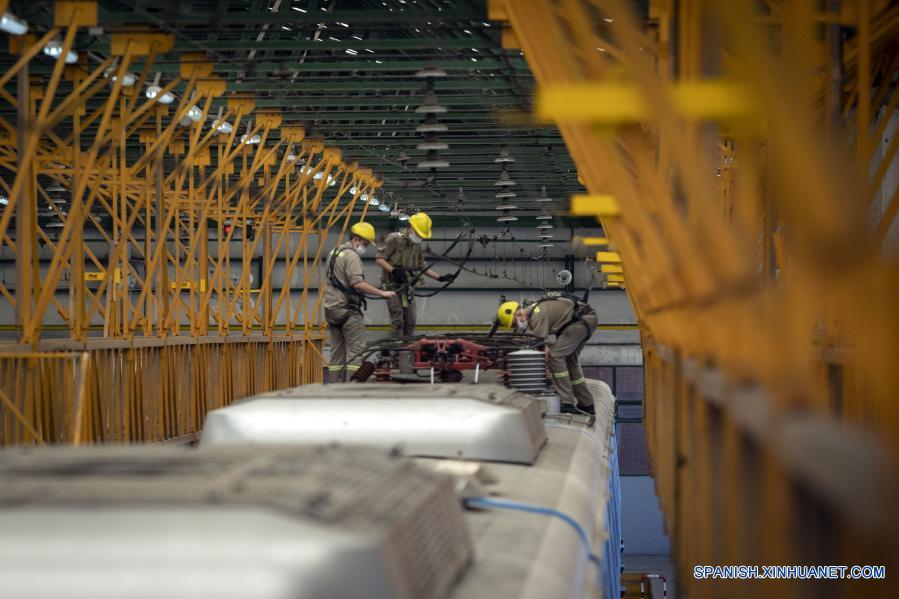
<point x="503" y="504"/>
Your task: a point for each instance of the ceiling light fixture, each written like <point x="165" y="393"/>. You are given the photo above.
<point x="154" y="92"/>
<point x="332" y="181"/>
<point x="54" y="49"/>
<point x="194" y="113"/>
<point x="128" y="79"/>
<point x="223" y="127"/>
<point x="13" y="25"/>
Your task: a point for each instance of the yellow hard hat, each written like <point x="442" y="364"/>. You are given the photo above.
<point x="506" y="314"/>
<point x="364" y="230"/>
<point x="421" y="224"/>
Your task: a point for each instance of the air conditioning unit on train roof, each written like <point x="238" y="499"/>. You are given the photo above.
<point x="476" y="422"/>
<point x="275" y="523"/>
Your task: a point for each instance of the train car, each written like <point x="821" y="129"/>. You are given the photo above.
<point x="541" y="489"/>
<point x="374" y="490"/>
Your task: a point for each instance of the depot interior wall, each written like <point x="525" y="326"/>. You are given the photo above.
<point x="642" y="525"/>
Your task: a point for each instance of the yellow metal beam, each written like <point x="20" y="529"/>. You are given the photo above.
<point x="142" y="44"/>
<point x="619" y="103"/>
<point x="496" y="10"/>
<point x="594" y="205"/>
<point x="80" y="13"/>
<point x="590" y="241"/>
<point x="608" y="257"/>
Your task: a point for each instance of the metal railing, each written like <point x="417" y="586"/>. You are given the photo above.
<point x="146" y="390"/>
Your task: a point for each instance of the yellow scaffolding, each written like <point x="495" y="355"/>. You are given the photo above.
<point x="728" y="148"/>
<point x="149" y="378"/>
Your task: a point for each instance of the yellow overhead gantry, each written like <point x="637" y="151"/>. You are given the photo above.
<point x="729" y="150"/>
<point x="148" y="378"/>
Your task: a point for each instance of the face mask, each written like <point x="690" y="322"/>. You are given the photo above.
<point x="521" y="325"/>
<point x="361" y="249"/>
<point x="414" y="238"/>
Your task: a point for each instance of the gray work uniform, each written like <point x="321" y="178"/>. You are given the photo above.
<point x="343" y="311"/>
<point x="557" y="317"/>
<point x="399" y="251"/>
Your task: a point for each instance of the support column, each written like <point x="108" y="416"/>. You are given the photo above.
<point x="265" y="280"/>
<point x="77" y="318"/>
<point x="26" y="212"/>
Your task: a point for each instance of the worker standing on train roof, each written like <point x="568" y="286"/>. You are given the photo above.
<point x="401" y="260"/>
<point x="565" y="324"/>
<point x="344" y="302"/>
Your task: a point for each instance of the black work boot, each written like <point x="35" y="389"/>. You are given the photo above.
<point x="568" y="408"/>
<point x="361" y="375"/>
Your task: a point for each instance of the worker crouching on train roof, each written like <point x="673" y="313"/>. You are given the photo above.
<point x="344" y="302"/>
<point x="564" y="324"/>
<point x="401" y="260"/>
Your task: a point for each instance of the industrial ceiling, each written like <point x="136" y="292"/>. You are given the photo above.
<point x="346" y="70"/>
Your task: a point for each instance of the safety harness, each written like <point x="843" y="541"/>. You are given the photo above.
<point x="355" y="301"/>
<point x="581" y="309"/>
<point x="405" y="291"/>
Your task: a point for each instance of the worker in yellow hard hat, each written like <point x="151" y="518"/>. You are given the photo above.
<point x="344" y="302"/>
<point x="564" y="324"/>
<point x="401" y="260"/>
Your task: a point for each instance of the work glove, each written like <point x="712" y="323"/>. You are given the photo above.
<point x="447" y="278"/>
<point x="399" y="275"/>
